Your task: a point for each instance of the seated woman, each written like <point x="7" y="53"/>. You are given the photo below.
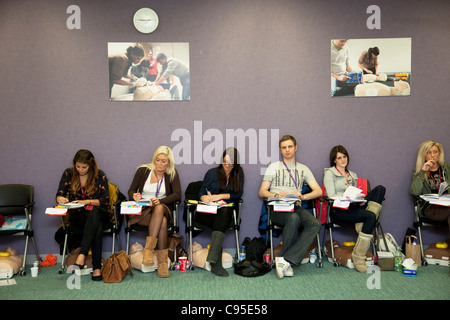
<point x="86" y="184"/>
<point x="225" y="182"/>
<point x="336" y="179"/>
<point x="431" y="170"/>
<point x="159" y="182"/>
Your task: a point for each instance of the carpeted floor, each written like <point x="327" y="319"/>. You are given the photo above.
<point x="308" y="283"/>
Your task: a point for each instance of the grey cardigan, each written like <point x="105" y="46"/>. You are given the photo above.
<point x="335" y="184"/>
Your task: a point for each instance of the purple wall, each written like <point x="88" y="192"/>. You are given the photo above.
<point x="253" y="66"/>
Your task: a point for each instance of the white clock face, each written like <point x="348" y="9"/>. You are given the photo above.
<point x="145" y="20"/>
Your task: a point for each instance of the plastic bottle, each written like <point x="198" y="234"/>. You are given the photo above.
<point x="242" y="253"/>
<point x="398" y="260"/>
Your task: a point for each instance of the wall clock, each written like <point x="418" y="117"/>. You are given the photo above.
<point x="145" y="20"/>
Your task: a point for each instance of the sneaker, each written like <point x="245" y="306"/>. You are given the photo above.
<point x="283" y="268"/>
<point x="289" y="272"/>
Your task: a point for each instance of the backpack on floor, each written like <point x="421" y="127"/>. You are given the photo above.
<point x="253" y="265"/>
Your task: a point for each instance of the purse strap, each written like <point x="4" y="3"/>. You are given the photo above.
<point x="124" y="261"/>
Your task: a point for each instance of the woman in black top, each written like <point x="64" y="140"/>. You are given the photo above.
<point x="225" y="182"/>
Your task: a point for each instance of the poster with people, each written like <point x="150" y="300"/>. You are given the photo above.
<point x="146" y="71"/>
<point x="370" y="67"/>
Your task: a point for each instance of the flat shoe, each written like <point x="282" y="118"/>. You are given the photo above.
<point x="97" y="278"/>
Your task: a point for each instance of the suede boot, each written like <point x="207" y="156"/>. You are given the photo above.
<point x="372" y="206"/>
<point x="360" y="250"/>
<point x="148" y="251"/>
<point x="163" y="264"/>
<point x="215" y="254"/>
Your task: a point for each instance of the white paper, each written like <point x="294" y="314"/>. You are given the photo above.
<point x="56" y="211"/>
<point x="207" y="208"/>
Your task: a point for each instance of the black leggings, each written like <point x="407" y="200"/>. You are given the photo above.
<point x="91" y="223"/>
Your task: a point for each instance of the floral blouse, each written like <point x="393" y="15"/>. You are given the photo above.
<point x="102" y="193"/>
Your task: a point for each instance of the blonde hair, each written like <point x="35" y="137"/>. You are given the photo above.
<point x="170" y="170"/>
<point x="423" y="148"/>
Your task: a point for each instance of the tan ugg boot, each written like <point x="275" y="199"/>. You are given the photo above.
<point x="360" y="250"/>
<point x="372" y="206"/>
<point x="163" y="264"/>
<point x="150" y="245"/>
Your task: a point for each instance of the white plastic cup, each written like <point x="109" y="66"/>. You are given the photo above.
<point x="183" y="263"/>
<point x="34" y="271"/>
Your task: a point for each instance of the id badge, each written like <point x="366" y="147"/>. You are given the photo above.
<point x="89" y="207"/>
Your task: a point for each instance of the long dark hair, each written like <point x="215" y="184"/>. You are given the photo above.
<point x="333" y="154"/>
<point x="86" y="157"/>
<point x="373" y="50"/>
<point x="233" y="181"/>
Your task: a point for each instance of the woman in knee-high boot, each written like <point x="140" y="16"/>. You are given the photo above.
<point x="225" y="182"/>
<point x="158" y="182"/>
<point x="336" y="179"/>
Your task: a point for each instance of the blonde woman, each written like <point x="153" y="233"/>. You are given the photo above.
<point x="430" y="172"/>
<point x="158" y="182"/>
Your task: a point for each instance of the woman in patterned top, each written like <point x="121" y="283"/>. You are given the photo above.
<point x="87" y="185"/>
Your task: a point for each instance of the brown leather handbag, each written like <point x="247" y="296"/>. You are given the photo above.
<point x="116" y="267"/>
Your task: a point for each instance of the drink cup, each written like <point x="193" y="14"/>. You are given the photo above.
<point x="183" y="263"/>
<point x="34" y="271"/>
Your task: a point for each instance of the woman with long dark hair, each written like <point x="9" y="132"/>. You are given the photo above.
<point x="336" y="180"/>
<point x="87" y="185"/>
<point x="368" y="61"/>
<point x="225" y="182"/>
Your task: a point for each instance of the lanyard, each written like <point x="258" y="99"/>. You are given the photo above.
<point x="348" y="181"/>
<point x="158" y="184"/>
<point x="294" y="180"/>
<point x="437" y="186"/>
<point x="83" y="192"/>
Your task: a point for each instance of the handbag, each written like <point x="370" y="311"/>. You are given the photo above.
<point x="115" y="268"/>
<point x="412" y="250"/>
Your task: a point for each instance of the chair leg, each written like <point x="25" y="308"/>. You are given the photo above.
<point x="22" y="269"/>
<point x="128" y="241"/>
<point x="190" y="238"/>
<point x="319" y="251"/>
<point x="236" y="235"/>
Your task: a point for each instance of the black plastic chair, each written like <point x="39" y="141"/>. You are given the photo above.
<point x="74" y="235"/>
<point x="172" y="228"/>
<point x="193" y="227"/>
<point x="17" y="201"/>
<point x="274" y="229"/>
<point x="420" y="221"/>
<point x="331" y="223"/>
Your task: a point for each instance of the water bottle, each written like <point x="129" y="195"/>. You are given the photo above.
<point x="242" y="253"/>
<point x="398" y="260"/>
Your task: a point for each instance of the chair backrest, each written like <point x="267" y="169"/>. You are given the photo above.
<point x="192" y="191"/>
<point x="14" y="198"/>
<point x="114" y="196"/>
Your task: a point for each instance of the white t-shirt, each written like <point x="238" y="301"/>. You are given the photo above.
<point x="149" y="190"/>
<point x="283" y="179"/>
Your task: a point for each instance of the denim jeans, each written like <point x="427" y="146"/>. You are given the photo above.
<point x="295" y="246"/>
<point x="356" y="213"/>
